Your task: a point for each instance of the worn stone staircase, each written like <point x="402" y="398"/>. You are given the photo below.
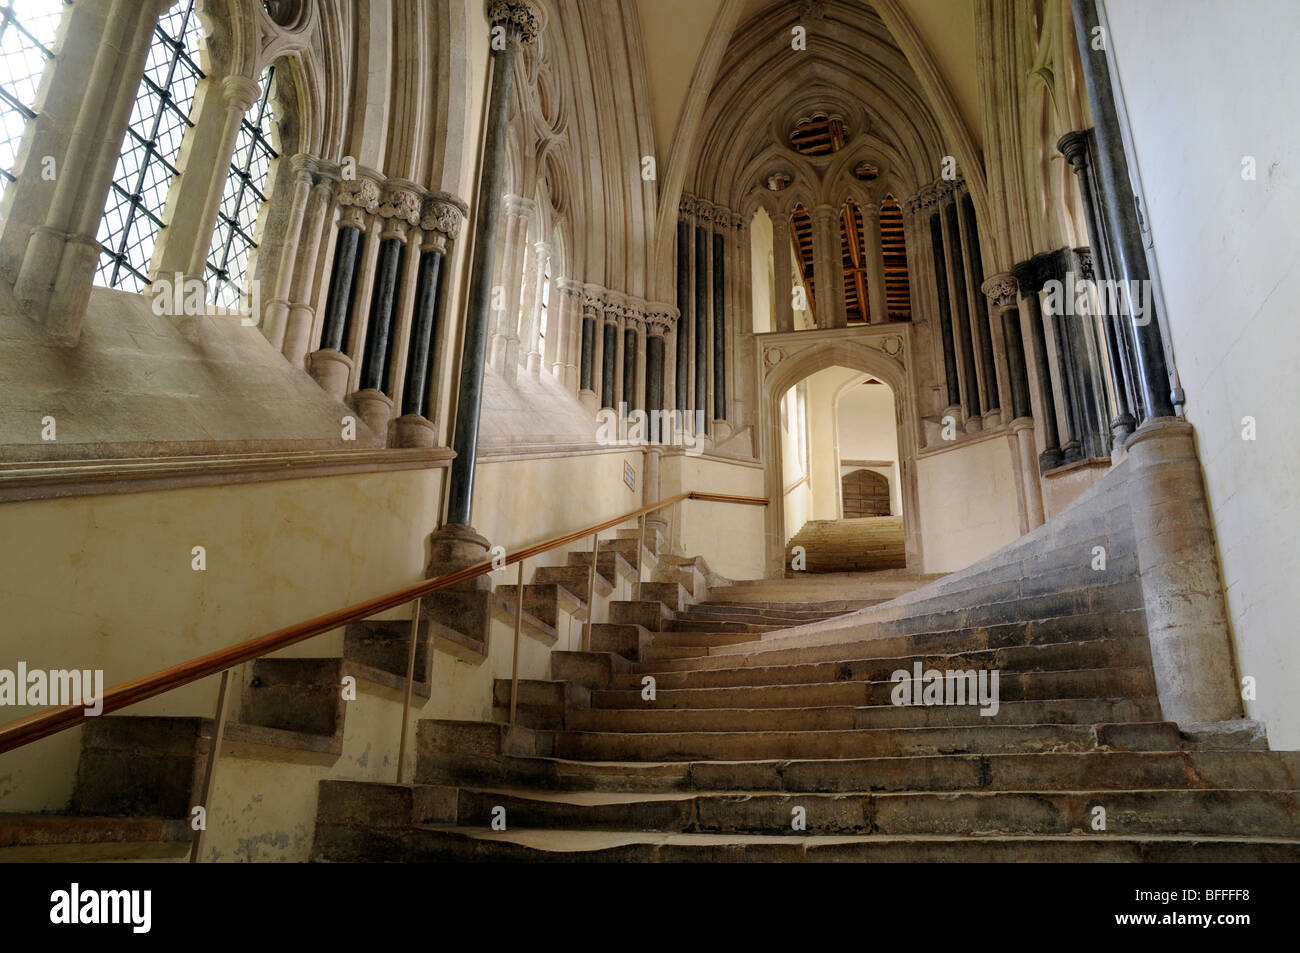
<point x="772" y="735"/>
<point x="852" y="545"/>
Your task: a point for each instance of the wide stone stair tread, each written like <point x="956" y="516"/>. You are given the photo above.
<point x="861" y="742"/>
<point x="1230" y="812"/>
<point x="1129" y="680"/>
<point x="56" y="837"/>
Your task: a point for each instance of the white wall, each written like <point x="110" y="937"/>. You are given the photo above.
<point x="1205" y="85"/>
<point x="968" y="500"/>
<point x="867" y="429"/>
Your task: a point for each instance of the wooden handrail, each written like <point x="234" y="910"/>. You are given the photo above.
<point x="42" y="724"/>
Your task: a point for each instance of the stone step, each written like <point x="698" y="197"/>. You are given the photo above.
<point x="628" y="641"/>
<point x="627" y="548"/>
<point x="1231" y="813"/>
<point x="1095" y="769"/>
<point x="546" y="601"/>
<point x="687" y="624"/>
<point x="650" y="614"/>
<point x="662" y="652"/>
<point x="45" y="838"/>
<point x="861" y="743"/>
<point x="609" y="564"/>
<point x="1085" y="711"/>
<point x="702" y="638"/>
<point x="541" y="704"/>
<point x="671" y="594"/>
<point x="461" y="844"/>
<point x="1041" y="632"/>
<point x="1124" y="682"/>
<point x="1107" y="653"/>
<point x="576" y="579"/>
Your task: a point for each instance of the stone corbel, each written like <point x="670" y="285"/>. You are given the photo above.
<point x="399" y="207"/>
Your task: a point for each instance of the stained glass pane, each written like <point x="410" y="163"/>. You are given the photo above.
<point x="147" y="165"/>
<point x="27" y="34"/>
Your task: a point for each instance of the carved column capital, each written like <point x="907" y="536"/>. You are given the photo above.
<point x="358" y="199"/>
<point x="1002" y="290"/>
<point x="441" y="216"/>
<point x="519" y="17"/>
<point x="240" y="92"/>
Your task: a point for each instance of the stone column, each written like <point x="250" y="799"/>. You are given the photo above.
<point x="719" y="409"/>
<point x="979" y="316"/>
<point x="1002" y="291"/>
<point x="701" y="396"/>
<point x="456" y="542"/>
<point x="440" y="218"/>
<point x="1074" y="146"/>
<point x="971" y="407"/>
<point x="1191" y="653"/>
<point x="1029" y="277"/>
<point x="828" y="268"/>
<point x="942" y="287"/>
<point x="782" y="276"/>
<point x="1125" y="234"/>
<point x="48" y="245"/>
<point x="531" y="328"/>
<point x="1065" y="360"/>
<point x="517" y="212"/>
<point x="302" y="313"/>
<point x="329" y="365"/>
<point x="591" y="320"/>
<point x="276" y="315"/>
<point x="238" y="93"/>
<point x="612" y="307"/>
<point x="569" y="294"/>
<point x="399" y="212"/>
<point x="875" y="251"/>
<point x="684" y="300"/>
<point x="634" y="318"/>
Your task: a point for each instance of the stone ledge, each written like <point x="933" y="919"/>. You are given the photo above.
<point x="52" y="480"/>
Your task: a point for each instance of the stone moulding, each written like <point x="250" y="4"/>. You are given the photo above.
<point x="51" y="480"/>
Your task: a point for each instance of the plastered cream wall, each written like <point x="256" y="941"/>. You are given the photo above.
<point x="867" y="429"/>
<point x="968" y="502"/>
<point x="798" y="502"/>
<point x="728" y="535"/>
<point x="1230" y="267"/>
<point x="107" y="582"/>
<point x="823" y="388"/>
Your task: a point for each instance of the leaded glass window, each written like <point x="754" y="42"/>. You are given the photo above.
<point x="27" y="33"/>
<point x="148" y="163"/>
<point x="245" y="192"/>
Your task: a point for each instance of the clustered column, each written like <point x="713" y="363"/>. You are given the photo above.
<point x="710" y="248"/>
<point x="1003" y="292"/>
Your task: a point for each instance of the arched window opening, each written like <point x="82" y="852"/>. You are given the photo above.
<point x="242" y="201"/>
<point x="853" y="254"/>
<point x="28" y="29"/>
<point x="893" y="243"/>
<point x="148" y="163"/>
